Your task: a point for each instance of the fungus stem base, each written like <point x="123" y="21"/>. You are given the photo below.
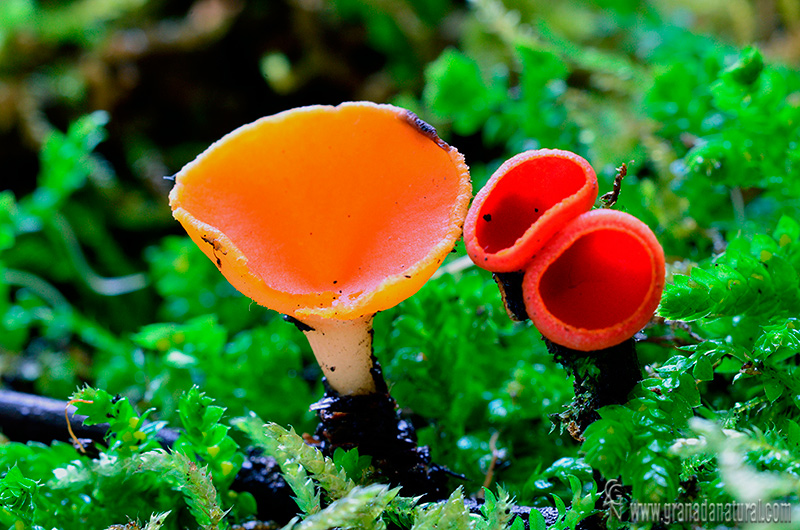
<point x="372" y="424"/>
<point x="343" y="349"/>
<point x="357" y="410"/>
<point x="602" y="377"/>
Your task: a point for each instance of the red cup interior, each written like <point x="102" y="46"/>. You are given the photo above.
<point x="598" y="281"/>
<point x="522" y="196"/>
<point x="527" y="200"/>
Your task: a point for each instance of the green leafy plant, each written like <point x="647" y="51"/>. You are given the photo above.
<point x="582" y="506"/>
<point x="37" y="225"/>
<point x="205" y="439"/>
<point x="202" y="351"/>
<point x="17" y="495"/>
<point x="756" y="276"/>
<point x="524" y="116"/>
<point x="193" y="481"/>
<point x="496" y="511"/>
<point x="128" y="433"/>
<point x="437" y="345"/>
<point x="758" y="151"/>
<point x="60" y="487"/>
<point x="633" y="441"/>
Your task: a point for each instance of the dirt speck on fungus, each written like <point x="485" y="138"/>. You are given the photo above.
<point x="216" y="246"/>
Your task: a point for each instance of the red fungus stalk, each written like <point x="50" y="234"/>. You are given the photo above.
<point x="527" y="200"/>
<point x="597" y="282"/>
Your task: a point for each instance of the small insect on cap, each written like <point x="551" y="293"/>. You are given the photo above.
<point x="597" y="282"/>
<point x="332" y="212"/>
<point x="527" y="200"/>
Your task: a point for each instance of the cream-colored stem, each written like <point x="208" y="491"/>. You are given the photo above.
<point x="343" y="349"/>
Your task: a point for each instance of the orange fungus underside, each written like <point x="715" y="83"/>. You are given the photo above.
<point x="527" y="200"/>
<point x="597" y="282"/>
<point x="326" y="211"/>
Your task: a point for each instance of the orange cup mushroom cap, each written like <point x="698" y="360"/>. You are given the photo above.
<point x="527" y="200"/>
<point x="326" y="213"/>
<point x="597" y="282"/>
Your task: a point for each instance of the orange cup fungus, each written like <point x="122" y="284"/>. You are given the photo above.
<point x="527" y="200"/>
<point x="597" y="282"/>
<point x="327" y="214"/>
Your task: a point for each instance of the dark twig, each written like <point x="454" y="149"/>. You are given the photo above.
<point x="674" y="339"/>
<point x="686" y="327"/>
<point x="487" y="483"/>
<point x="610" y="199"/>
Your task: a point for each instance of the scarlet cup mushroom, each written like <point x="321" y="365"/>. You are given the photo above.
<point x="597" y="282"/>
<point x="589" y="280"/>
<point x="328" y="215"/>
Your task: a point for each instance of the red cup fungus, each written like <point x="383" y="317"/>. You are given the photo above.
<point x="588" y="280"/>
<point x="596" y="282"/>
<point x="527" y="200"/>
<point x="327" y="214"/>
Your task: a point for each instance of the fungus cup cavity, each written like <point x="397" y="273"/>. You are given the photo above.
<point x="527" y="200"/>
<point x="595" y="283"/>
<point x="328" y="215"/>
